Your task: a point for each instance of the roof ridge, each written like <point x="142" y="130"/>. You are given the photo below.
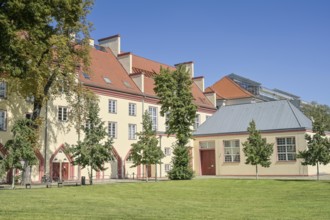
<point x="290" y="105"/>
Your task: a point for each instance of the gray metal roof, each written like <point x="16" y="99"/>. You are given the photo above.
<point x="268" y="116"/>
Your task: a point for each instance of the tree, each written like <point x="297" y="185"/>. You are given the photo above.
<point x="318" y="148"/>
<point x="96" y="147"/>
<point x="21" y="149"/>
<point x="317" y="112"/>
<point x="146" y="150"/>
<point x="39" y="56"/>
<point x="257" y="151"/>
<point x="174" y="91"/>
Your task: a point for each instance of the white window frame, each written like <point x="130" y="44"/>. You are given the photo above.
<point x="232" y="151"/>
<point x="132" y="131"/>
<point x="167" y="167"/>
<point x="197" y="121"/>
<point x="3" y="90"/>
<point x="167" y="151"/>
<point x="62" y="113"/>
<point x="112" y="106"/>
<point x="112" y="129"/>
<point x="289" y="149"/>
<point x="3" y="120"/>
<point x="154" y="117"/>
<point x="131" y="109"/>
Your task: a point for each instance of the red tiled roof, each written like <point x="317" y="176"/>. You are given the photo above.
<point x="105" y="64"/>
<point x="150" y="67"/>
<point x="226" y="88"/>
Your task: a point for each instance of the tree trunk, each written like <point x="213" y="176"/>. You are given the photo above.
<point x="91" y="177"/>
<point x="13" y="178"/>
<point x="318" y="172"/>
<point x="257" y="175"/>
<point x="147" y="171"/>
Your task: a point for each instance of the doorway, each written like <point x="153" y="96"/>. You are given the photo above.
<point x="208" y="162"/>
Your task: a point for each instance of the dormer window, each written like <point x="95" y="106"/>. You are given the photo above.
<point x="86" y="76"/>
<point x="107" y="80"/>
<point x="3" y="90"/>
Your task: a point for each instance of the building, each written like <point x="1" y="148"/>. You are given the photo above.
<point x="124" y="85"/>
<point x="234" y="89"/>
<point x="218" y="142"/>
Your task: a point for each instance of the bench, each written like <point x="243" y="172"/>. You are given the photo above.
<point x="28" y="186"/>
<point x="68" y="183"/>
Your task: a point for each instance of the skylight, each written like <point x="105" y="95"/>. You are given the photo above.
<point x="107" y="80"/>
<point x="127" y="84"/>
<point x="86" y="76"/>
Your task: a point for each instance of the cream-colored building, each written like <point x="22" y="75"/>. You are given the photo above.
<point x="218" y="142"/>
<point x="124" y="85"/>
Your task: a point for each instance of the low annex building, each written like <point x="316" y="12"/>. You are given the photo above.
<point x="218" y="142"/>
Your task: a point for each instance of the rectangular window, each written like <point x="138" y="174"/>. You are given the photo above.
<point x="167" y="151"/>
<point x="132" y="109"/>
<point x="3" y="90"/>
<point x="153" y="115"/>
<point x="232" y="151"/>
<point x="286" y="148"/>
<point x="197" y="121"/>
<point x="132" y="131"/>
<point x="167" y="117"/>
<point x="207" y="144"/>
<point x="112" y="106"/>
<point x="112" y="129"/>
<point x="167" y="167"/>
<point x="62" y="113"/>
<point x="3" y="120"/>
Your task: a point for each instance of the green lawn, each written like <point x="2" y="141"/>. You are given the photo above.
<point x="196" y="199"/>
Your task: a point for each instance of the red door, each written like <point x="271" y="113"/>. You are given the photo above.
<point x="56" y="171"/>
<point x="208" y="162"/>
<point x="65" y="171"/>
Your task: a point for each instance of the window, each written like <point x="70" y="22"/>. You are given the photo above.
<point x="232" y="151"/>
<point x="3" y="120"/>
<point x="207" y="144"/>
<point x="62" y="113"/>
<point x="167" y="151"/>
<point x="112" y="106"/>
<point x="286" y="148"/>
<point x="131" y="131"/>
<point x="167" y="118"/>
<point x="3" y="88"/>
<point x="107" y="80"/>
<point x="153" y="115"/>
<point x="132" y="109"/>
<point x="167" y="167"/>
<point x="197" y="121"/>
<point x="86" y="76"/>
<point x="112" y="129"/>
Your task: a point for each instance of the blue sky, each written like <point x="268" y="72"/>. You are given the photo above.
<point x="283" y="44"/>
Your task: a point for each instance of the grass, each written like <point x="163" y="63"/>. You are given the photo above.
<point x="196" y="199"/>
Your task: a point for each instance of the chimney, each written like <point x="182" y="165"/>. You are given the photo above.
<point x="126" y="61"/>
<point x="189" y="67"/>
<point x="199" y="81"/>
<point x="112" y="42"/>
<point x="211" y="96"/>
<point x="138" y="78"/>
